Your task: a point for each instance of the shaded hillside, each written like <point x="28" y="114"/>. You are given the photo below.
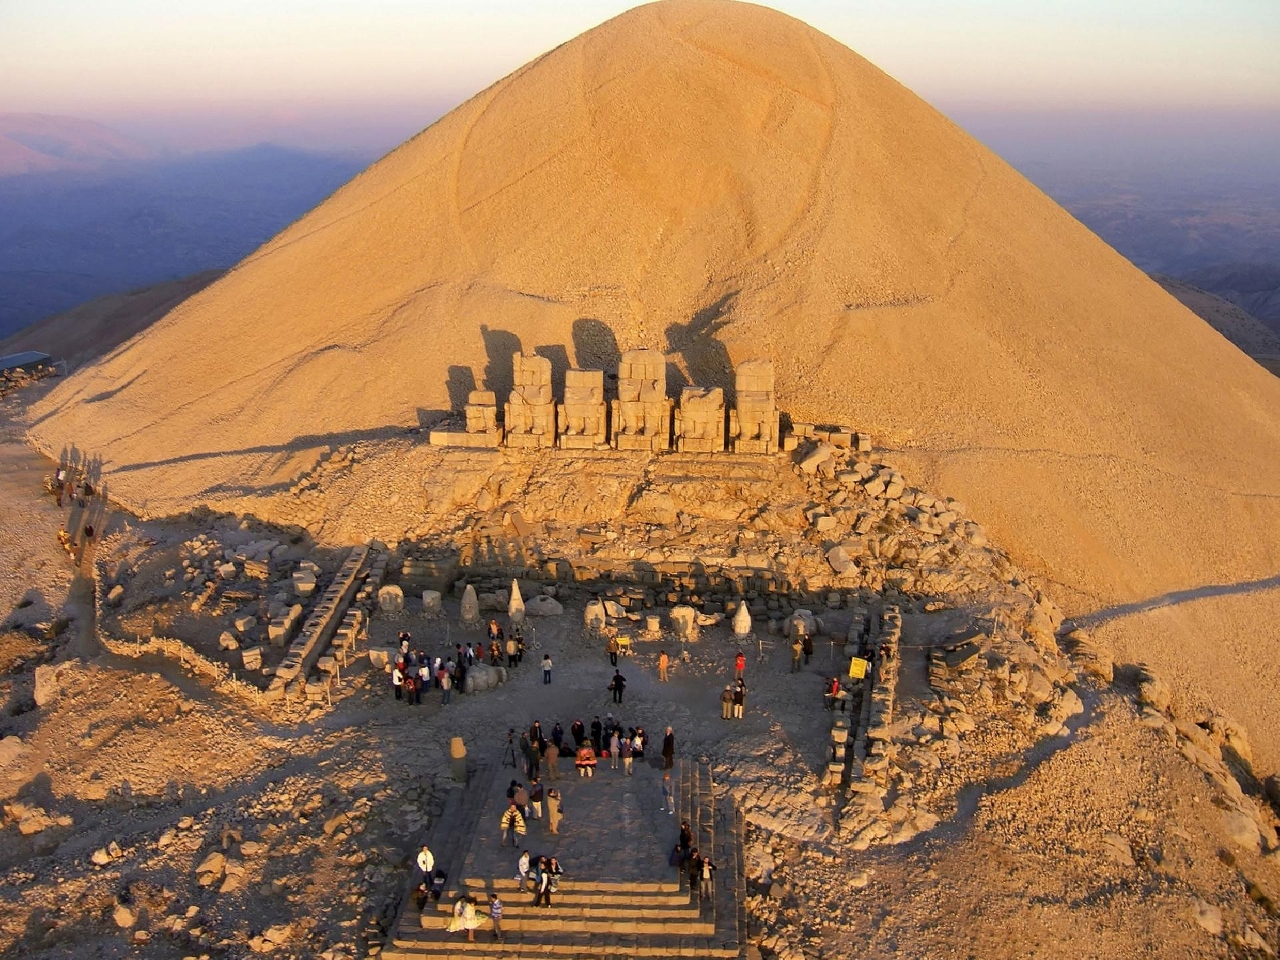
<point x="1254" y="288"/>
<point x="721" y="181"/>
<point x="94" y="329"/>
<point x="1247" y="332"/>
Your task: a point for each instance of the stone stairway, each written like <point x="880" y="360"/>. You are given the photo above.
<point x="620" y="901"/>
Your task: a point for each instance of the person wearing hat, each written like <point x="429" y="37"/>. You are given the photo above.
<point x="726" y="703"/>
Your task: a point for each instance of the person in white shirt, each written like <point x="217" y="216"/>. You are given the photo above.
<point x="426" y="861"/>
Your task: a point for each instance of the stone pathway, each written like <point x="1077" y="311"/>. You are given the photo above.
<point x="613" y="828"/>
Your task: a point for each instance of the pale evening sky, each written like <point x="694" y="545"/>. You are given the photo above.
<point x="351" y="71"/>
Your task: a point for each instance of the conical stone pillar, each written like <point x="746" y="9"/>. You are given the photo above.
<point x="515" y="607"/>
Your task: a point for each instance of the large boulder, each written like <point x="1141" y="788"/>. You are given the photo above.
<point x="52" y="679"/>
<point x="543" y="606"/>
<point x="593" y="617"/>
<point x="481" y="677"/>
<point x="11" y="749"/>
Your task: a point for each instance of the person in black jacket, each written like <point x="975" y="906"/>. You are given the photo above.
<point x="597" y="730"/>
<point x="668" y="749"/>
<point x="618" y="684"/>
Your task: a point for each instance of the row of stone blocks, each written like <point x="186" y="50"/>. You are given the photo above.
<point x="591" y="919"/>
<point x="872" y="745"/>
<point x="641" y="417"/>
<point x="320" y="625"/>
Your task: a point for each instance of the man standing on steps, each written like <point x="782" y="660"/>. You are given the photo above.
<point x="708" y="874"/>
<point x="543" y="895"/>
<point x="495" y="914"/>
<point x="668" y="793"/>
<point x="668" y="749"/>
<point x="618" y="685"/>
<point x="663" y="662"/>
<point x="426" y="863"/>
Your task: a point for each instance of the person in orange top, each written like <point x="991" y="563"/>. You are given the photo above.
<point x="663" y="662"/>
<point x="739" y="665"/>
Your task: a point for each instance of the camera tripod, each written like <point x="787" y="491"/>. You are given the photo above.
<point x="509" y="753"/>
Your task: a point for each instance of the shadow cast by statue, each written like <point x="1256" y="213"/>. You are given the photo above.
<point x="559" y="358"/>
<point x="499" y="347"/>
<point x="459" y="385"/>
<point x="595" y="347"/>
<point x="705" y="359"/>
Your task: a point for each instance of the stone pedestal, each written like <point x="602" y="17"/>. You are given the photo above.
<point x="530" y="414"/>
<point x="700" y="420"/>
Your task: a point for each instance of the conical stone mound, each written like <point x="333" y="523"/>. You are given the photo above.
<point x="721" y="181"/>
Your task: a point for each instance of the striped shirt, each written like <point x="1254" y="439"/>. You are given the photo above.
<point x="495" y="908"/>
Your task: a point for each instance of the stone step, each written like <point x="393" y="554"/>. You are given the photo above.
<point x="551" y="920"/>
<point x="524" y="907"/>
<point x="449" y="836"/>
<point x="516" y="946"/>
<point x="617" y="887"/>
<point x="598" y="895"/>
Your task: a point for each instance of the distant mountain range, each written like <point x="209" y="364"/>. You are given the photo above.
<point x="36" y="143"/>
<point x="85" y="212"/>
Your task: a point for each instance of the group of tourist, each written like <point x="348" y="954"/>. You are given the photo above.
<point x="539" y="874"/>
<point x="605" y="740"/>
<point x="733" y="699"/>
<point x="525" y="804"/>
<point x="414" y="673"/>
<point x="701" y="869"/>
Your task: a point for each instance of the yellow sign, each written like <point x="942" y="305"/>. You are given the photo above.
<point x="858" y="667"/>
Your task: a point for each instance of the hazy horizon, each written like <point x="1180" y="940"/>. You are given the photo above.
<point x="336" y="76"/>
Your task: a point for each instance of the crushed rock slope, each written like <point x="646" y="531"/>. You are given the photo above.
<point x="723" y="181"/>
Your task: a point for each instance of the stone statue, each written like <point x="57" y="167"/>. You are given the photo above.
<point x="700" y="420"/>
<point x="530" y="412"/>
<point x="642" y="412"/>
<point x="583" y="415"/>
<point x="753" y="423"/>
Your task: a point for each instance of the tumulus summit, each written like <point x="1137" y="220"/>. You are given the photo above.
<point x="722" y="182"/>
